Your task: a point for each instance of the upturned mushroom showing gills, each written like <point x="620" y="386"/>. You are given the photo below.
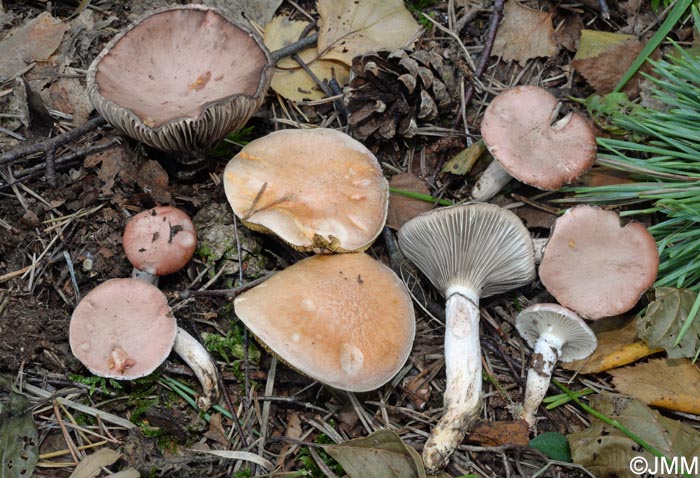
<point x="180" y="78"/>
<point x="318" y="189"/>
<point x="594" y="265"/>
<point x="520" y="131"/>
<point x="158" y="242"/>
<point x="555" y="333"/>
<point x="124" y="329"/>
<point x="345" y="320"/>
<point x="467" y="252"/>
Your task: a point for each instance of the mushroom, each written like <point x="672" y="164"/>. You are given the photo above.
<point x="317" y="189"/>
<point x="345" y="320"/>
<point x="519" y="130"/>
<point x="180" y="78"/>
<point x="555" y="333"/>
<point x="124" y="329"/>
<point x="594" y="265"/>
<point x="158" y="242"/>
<point x="467" y="252"/>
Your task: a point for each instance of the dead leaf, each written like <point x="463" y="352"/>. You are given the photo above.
<point x="380" y="455"/>
<point x="348" y="28"/>
<point x="463" y="161"/>
<point x="290" y="80"/>
<point x="679" y="390"/>
<point x="216" y="430"/>
<point x="69" y="96"/>
<point x="34" y="41"/>
<point x="606" y="451"/>
<point x="487" y="433"/>
<point x="153" y="179"/>
<point x="523" y="34"/>
<point x="615" y="348"/>
<point x="91" y="465"/>
<point x="402" y="208"/>
<point x="664" y="318"/>
<point x="568" y="33"/>
<point x="603" y="57"/>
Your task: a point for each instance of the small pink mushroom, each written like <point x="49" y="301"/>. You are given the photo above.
<point x="158" y="242"/>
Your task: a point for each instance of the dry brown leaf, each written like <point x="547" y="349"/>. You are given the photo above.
<point x="91" y="465"/>
<point x="666" y="383"/>
<point x="487" y="433"/>
<point x="402" y="208"/>
<point x="615" y="349"/>
<point x="216" y="430"/>
<point x="568" y="33"/>
<point x="348" y="28"/>
<point x="523" y="34"/>
<point x="604" y="57"/>
<point x="34" y="41"/>
<point x="290" y="80"/>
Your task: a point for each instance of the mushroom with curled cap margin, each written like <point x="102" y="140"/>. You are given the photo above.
<point x="181" y="78"/>
<point x="345" y="320"/>
<point x="467" y="251"/>
<point x="519" y="132"/>
<point x="318" y="189"/>
<point x="124" y="329"/>
<point x="158" y="242"/>
<point x="554" y="333"/>
<point x="594" y="265"/>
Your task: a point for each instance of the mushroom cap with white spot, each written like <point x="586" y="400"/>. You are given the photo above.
<point x="122" y="320"/>
<point x="596" y="266"/>
<point x="180" y="78"/>
<point x="518" y="131"/>
<point x="478" y="246"/>
<point x="160" y="241"/>
<point x="345" y="320"/>
<point x="317" y="189"/>
<point x="578" y="339"/>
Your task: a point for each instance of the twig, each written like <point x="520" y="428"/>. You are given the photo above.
<point x="48" y="144"/>
<point x="227" y="293"/>
<point x="294" y="48"/>
<point x="486" y="52"/>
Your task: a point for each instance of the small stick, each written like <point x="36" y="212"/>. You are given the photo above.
<point x="294" y="48"/>
<point x="46" y="145"/>
<point x="488" y="46"/>
<point x="226" y="293"/>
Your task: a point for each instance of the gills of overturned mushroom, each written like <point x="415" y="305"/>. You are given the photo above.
<point x="468" y="251"/>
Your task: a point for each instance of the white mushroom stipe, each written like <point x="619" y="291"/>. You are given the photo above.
<point x="555" y="333"/>
<point x="202" y="364"/>
<point x="492" y="180"/>
<point x="545" y="356"/>
<point x="462" y="397"/>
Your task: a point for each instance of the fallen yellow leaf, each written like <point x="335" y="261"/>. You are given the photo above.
<point x="615" y="349"/>
<point x="666" y="383"/>
<point x="348" y="28"/>
<point x="290" y="80"/>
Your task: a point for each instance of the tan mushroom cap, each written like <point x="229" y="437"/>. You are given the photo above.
<point x="518" y="131"/>
<point x="160" y="241"/>
<point x="180" y="78"/>
<point x="345" y="320"/>
<point x="122" y="329"/>
<point x="594" y="265"/>
<point x="317" y="189"/>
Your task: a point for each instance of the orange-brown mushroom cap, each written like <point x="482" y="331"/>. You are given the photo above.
<point x="160" y="241"/>
<point x="316" y="189"/>
<point x="594" y="265"/>
<point x="345" y="320"/>
<point x="518" y="131"/>
<point x="180" y="78"/>
<point x="123" y="329"/>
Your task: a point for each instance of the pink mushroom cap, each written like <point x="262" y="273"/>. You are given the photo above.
<point x="122" y="329"/>
<point x="160" y="241"/>
<point x="518" y="129"/>
<point x="595" y="265"/>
